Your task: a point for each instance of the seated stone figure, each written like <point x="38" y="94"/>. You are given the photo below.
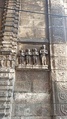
<point x="35" y="55"/>
<point x="43" y="53"/>
<point x="28" y="55"/>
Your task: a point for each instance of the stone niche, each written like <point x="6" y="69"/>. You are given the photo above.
<point x="32" y="95"/>
<point x="32" y="56"/>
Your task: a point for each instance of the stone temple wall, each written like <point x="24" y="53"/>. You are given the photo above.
<point x="58" y="55"/>
<point x="32" y="88"/>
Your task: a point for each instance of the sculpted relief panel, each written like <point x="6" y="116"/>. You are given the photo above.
<point x="59" y="63"/>
<point x="60" y="99"/>
<point x="61" y="92"/>
<point x="33" y="57"/>
<point x="58" y="50"/>
<point x="59" y="75"/>
<point x="32" y="24"/>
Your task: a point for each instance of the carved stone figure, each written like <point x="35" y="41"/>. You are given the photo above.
<point x="43" y="53"/>
<point x="21" y="57"/>
<point x="2" y="63"/>
<point x="7" y="61"/>
<point x="35" y="56"/>
<point x="28" y="56"/>
<point x="10" y="61"/>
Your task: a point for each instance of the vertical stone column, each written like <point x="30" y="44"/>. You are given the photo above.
<point x="10" y="25"/>
<point x="58" y="56"/>
<point x="8" y="56"/>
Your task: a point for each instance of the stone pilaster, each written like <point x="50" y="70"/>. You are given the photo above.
<point x="58" y="56"/>
<point x="8" y="56"/>
<point x="10" y="25"/>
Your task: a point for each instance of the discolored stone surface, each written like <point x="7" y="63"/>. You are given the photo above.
<point x="32" y="81"/>
<point x="61" y="117"/>
<point x="60" y="89"/>
<point x="59" y="63"/>
<point x="32" y="25"/>
<point x="58" y="50"/>
<point x="59" y="75"/>
<point x="33" y="97"/>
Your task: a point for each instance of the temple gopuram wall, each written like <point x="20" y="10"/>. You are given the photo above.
<point x="33" y="59"/>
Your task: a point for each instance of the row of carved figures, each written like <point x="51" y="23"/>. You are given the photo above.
<point x="25" y="57"/>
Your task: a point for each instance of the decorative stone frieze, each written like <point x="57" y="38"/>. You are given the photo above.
<point x="29" y="58"/>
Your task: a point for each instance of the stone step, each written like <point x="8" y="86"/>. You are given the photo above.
<point x="5" y="88"/>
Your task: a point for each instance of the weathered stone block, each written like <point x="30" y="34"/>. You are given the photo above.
<point x="40" y="86"/>
<point x="58" y="31"/>
<point x="18" y="109"/>
<point x="56" y="21"/>
<point x="24" y="86"/>
<point x="5" y="93"/>
<point x="58" y="39"/>
<point x="59" y="63"/>
<point x="56" y="10"/>
<point x="60" y="90"/>
<point x="30" y="80"/>
<point x="59" y="75"/>
<point x="58" y="50"/>
<point x="60" y="110"/>
<point x="47" y="110"/>
<point x="42" y="98"/>
<point x="4" y="75"/>
<point x="37" y="21"/>
<point x="61" y="117"/>
<point x="36" y="117"/>
<point x="16" y="117"/>
<point x="31" y="109"/>
<point x="55" y="2"/>
<point x="5" y="83"/>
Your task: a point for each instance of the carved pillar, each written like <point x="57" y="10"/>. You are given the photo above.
<point x="58" y="58"/>
<point x="7" y="55"/>
<point x="10" y="25"/>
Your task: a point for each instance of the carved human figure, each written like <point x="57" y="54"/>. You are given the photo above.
<point x="43" y="53"/>
<point x="2" y="63"/>
<point x="35" y="56"/>
<point x="7" y="61"/>
<point x="28" y="56"/>
<point x="21" y="57"/>
<point x="10" y="61"/>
